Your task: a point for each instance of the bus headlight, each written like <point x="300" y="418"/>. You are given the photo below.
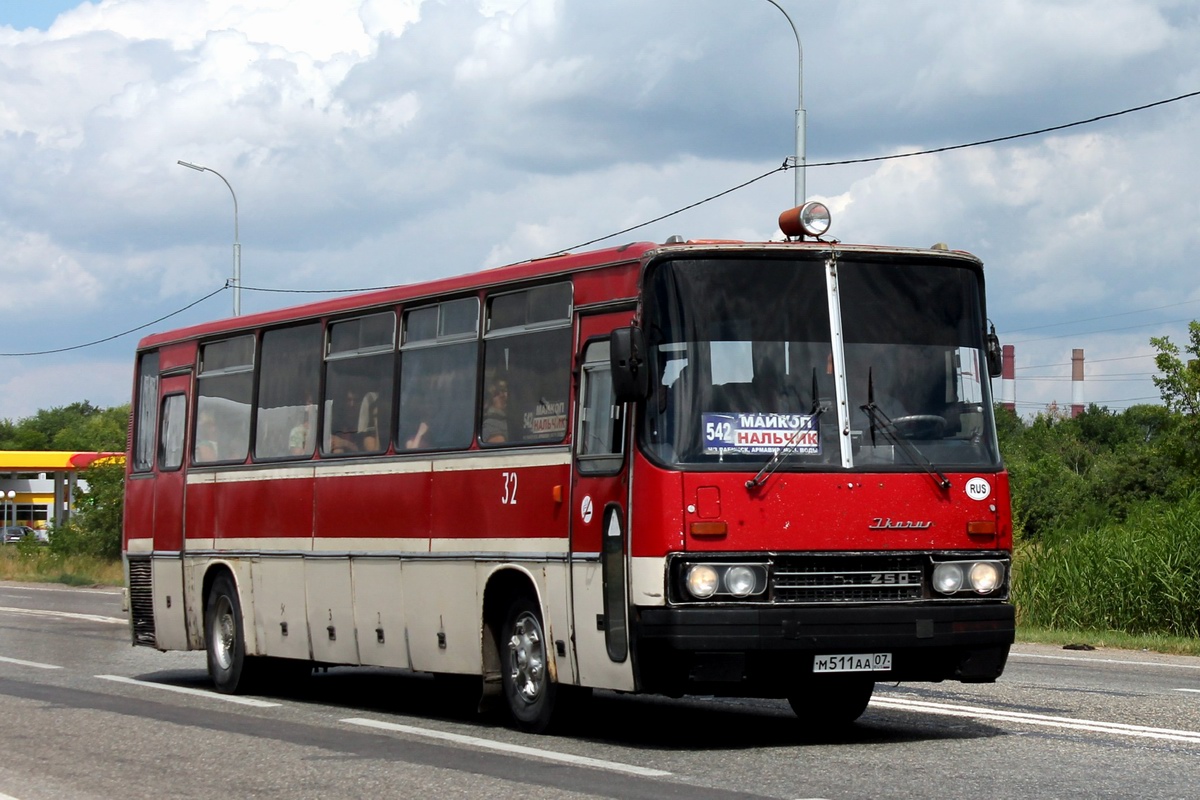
<point x="981" y="577"/>
<point x="718" y="580"/>
<point x="702" y="581"/>
<point x="740" y="581"/>
<point x="948" y="577"/>
<point x="986" y="576"/>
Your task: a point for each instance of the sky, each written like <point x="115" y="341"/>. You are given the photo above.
<point x="378" y="142"/>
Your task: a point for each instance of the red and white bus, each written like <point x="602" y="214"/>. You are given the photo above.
<point x="699" y="467"/>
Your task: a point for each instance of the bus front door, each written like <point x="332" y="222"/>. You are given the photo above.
<point x="170" y="482"/>
<point x="599" y="522"/>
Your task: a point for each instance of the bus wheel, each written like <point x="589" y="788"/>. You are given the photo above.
<point x="833" y="703"/>
<point x="224" y="638"/>
<point x="528" y="689"/>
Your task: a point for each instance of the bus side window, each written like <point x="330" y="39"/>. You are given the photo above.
<point x="528" y="351"/>
<point x="288" y="381"/>
<point x="438" y="371"/>
<point x="225" y="387"/>
<point x="174" y="423"/>
<point x="359" y="366"/>
<point x="600" y="442"/>
<point x="147" y="408"/>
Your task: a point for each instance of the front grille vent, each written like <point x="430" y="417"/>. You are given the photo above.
<point x="847" y="578"/>
<point x="141" y="601"/>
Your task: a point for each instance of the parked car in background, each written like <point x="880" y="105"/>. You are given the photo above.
<point x="15" y="533"/>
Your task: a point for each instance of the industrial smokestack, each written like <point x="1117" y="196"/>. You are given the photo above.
<point x="1076" y="382"/>
<point x="1008" y="383"/>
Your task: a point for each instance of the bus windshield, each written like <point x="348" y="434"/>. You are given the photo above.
<point x="743" y="352"/>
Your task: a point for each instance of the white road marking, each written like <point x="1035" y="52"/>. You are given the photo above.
<point x="1197" y="691"/>
<point x="71" y="589"/>
<point x="1105" y="661"/>
<point x="1042" y="720"/>
<point x="228" y="698"/>
<point x="472" y="741"/>
<point x="33" y="612"/>
<point x="37" y="664"/>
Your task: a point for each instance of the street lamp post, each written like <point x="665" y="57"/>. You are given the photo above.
<point x="237" y="247"/>
<point x="10" y="496"/>
<point x="800" y="121"/>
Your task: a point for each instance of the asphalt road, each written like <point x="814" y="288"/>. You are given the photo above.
<point x="85" y="715"/>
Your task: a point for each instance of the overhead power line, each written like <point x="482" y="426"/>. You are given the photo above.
<point x="1090" y="361"/>
<point x="782" y="167"/>
<point x="1102" y="316"/>
<point x="994" y="140"/>
<point x="1101" y="330"/>
<point x="117" y="335"/>
<point x="786" y="165"/>
<point x="1010" y="137"/>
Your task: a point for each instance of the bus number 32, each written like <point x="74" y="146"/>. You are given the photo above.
<point x="509" y="497"/>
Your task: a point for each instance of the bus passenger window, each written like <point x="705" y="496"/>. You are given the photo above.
<point x="288" y="379"/>
<point x="438" y="368"/>
<point x="528" y="352"/>
<point x="359" y="364"/>
<point x="225" y="387"/>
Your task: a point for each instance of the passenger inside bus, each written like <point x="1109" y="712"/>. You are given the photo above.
<point x="342" y="424"/>
<point x="495" y="415"/>
<point x="368" y="422"/>
<point x="439" y="412"/>
<point x="206" y="438"/>
<point x="302" y="436"/>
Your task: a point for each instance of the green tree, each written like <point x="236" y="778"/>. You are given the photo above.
<point x="1179" y="383"/>
<point x="96" y="528"/>
<point x="1072" y="474"/>
<point x="78" y="426"/>
<point x="1179" y="386"/>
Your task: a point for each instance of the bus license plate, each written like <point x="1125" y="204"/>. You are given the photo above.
<point x="856" y="662"/>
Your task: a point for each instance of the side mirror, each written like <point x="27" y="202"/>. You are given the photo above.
<point x="995" y="358"/>
<point x="630" y="371"/>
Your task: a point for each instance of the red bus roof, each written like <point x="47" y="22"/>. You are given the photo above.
<point x="547" y="267"/>
<point x="525" y="270"/>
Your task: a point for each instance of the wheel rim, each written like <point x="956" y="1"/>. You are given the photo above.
<point x="527" y="658"/>
<point x="224" y="633"/>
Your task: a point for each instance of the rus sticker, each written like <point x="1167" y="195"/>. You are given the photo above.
<point x="978" y="489"/>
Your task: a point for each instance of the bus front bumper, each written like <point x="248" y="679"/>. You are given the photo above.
<point x="766" y="650"/>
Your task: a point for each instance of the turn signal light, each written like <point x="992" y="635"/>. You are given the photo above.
<point x="718" y="528"/>
<point x="983" y="527"/>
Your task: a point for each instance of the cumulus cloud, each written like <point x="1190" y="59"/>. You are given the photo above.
<point x="35" y="267"/>
<point x="373" y="142"/>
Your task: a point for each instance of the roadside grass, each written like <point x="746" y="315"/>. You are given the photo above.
<point x="1109" y="640"/>
<point x="1140" y="576"/>
<point x="34" y="563"/>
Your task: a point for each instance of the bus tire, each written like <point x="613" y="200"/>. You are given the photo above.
<point x="225" y="640"/>
<point x="832" y="704"/>
<point x="525" y="675"/>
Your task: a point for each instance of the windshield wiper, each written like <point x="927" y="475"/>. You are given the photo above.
<point x="883" y="423"/>
<point x="814" y="417"/>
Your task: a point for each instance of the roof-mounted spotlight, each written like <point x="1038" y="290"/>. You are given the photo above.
<point x="811" y="219"/>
